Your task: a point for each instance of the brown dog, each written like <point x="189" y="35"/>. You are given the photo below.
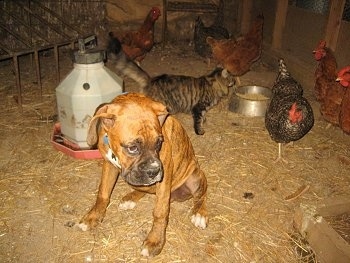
<point x="153" y="153"/>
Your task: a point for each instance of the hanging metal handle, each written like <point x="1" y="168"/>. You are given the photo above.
<point x="83" y="41"/>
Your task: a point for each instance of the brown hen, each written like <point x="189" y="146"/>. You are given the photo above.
<point x="344" y="117"/>
<point x="328" y="92"/>
<point x="136" y="44"/>
<point x="237" y="56"/>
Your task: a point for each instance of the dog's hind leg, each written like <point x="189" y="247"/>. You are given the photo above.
<point x="129" y="200"/>
<point x="198" y="185"/>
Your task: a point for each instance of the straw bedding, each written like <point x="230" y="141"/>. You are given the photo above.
<point x="251" y="200"/>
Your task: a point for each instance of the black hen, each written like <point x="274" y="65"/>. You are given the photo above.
<point x="201" y="32"/>
<point x="289" y="115"/>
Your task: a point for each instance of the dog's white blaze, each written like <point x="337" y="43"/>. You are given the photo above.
<point x="127" y="205"/>
<point x="199" y="221"/>
<point x="83" y="227"/>
<point x="113" y="158"/>
<point x="155" y="164"/>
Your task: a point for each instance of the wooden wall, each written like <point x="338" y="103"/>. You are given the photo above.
<point x="303" y="29"/>
<point x="300" y="29"/>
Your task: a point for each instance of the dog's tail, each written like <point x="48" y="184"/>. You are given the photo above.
<point x="124" y="66"/>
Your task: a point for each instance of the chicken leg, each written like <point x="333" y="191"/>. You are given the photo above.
<point x="280" y="158"/>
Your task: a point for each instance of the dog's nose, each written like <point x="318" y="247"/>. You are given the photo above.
<point x="151" y="168"/>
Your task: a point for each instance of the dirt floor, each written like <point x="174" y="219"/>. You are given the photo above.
<point x="44" y="193"/>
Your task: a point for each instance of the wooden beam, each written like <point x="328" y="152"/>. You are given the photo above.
<point x="247" y="6"/>
<point x="334" y="21"/>
<point x="280" y="21"/>
<point x="334" y="206"/>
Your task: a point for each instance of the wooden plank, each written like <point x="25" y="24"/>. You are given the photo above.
<point x="334" y="206"/>
<point x="280" y="21"/>
<point x="246" y="18"/>
<point x="328" y="245"/>
<point x="333" y="24"/>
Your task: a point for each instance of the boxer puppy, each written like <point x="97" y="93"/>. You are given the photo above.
<point x="153" y="154"/>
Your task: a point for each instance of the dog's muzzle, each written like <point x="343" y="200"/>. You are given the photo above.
<point x="151" y="168"/>
<point x="145" y="173"/>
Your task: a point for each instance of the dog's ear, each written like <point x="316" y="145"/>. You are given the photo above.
<point x="107" y="119"/>
<point x="161" y="112"/>
<point x="162" y="118"/>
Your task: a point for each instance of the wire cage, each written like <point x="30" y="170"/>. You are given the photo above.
<point x="321" y="7"/>
<point x="29" y="27"/>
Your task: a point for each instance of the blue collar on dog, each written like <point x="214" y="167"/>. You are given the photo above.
<point x="110" y="155"/>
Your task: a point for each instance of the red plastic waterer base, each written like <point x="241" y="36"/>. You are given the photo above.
<point x="70" y="148"/>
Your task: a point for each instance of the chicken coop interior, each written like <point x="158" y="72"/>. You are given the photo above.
<point x="278" y="179"/>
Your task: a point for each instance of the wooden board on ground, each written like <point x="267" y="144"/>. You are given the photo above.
<point x="310" y="221"/>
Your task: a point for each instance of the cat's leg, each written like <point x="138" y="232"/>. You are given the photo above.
<point x="198" y="113"/>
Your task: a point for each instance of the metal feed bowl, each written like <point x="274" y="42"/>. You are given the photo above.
<point x="250" y="100"/>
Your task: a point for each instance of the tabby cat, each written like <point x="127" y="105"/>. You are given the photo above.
<point x="179" y="93"/>
<point x="190" y="94"/>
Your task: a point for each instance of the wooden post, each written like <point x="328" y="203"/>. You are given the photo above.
<point x="280" y="21"/>
<point x="164" y="23"/>
<point x="37" y="69"/>
<point x="247" y="6"/>
<point x="333" y="25"/>
<point x="18" y="80"/>
<point x="55" y="49"/>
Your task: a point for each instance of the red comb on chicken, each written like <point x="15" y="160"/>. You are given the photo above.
<point x="320" y="51"/>
<point x="344" y="77"/>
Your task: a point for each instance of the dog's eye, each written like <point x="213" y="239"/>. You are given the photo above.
<point x="133" y="149"/>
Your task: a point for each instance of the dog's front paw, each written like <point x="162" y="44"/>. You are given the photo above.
<point x="150" y="249"/>
<point x="83" y="227"/>
<point x="144" y="252"/>
<point x="199" y="221"/>
<point x="90" y="220"/>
